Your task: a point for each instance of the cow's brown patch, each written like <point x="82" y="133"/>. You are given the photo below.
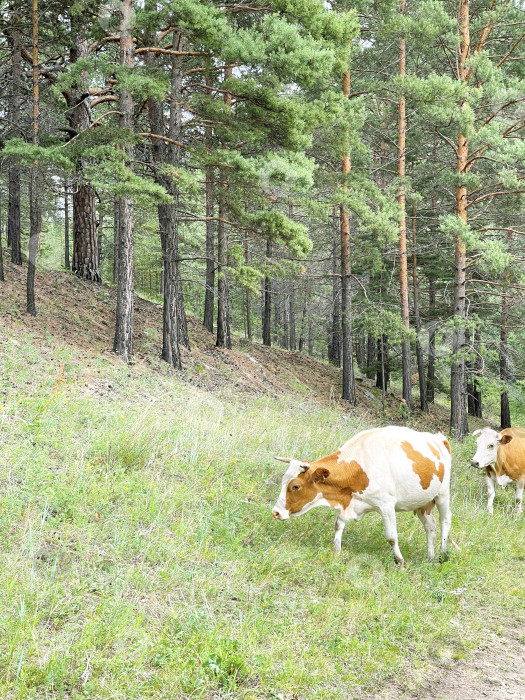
<point x="447" y="445"/>
<point x="424" y="467"/>
<point x="344" y="479"/>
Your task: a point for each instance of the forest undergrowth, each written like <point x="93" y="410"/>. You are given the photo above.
<point x="140" y="558"/>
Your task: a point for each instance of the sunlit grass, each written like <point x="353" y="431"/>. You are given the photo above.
<point x="140" y="560"/>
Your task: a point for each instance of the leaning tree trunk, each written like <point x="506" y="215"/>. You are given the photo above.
<point x="13" y="213"/>
<point x="403" y="267"/>
<point x="348" y="392"/>
<point x="34" y="208"/>
<point x="123" y="344"/>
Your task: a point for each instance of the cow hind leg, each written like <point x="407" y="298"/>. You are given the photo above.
<point x="445" y="521"/>
<point x="389" y="521"/>
<point x="339" y="527"/>
<point x="429" y="523"/>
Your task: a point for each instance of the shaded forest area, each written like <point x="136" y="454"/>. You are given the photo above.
<point x="342" y="179"/>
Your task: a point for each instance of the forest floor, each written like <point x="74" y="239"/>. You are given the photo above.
<point x="81" y="315"/>
<point x="134" y="511"/>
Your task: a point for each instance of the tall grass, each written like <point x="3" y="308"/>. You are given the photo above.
<point x="140" y="560"/>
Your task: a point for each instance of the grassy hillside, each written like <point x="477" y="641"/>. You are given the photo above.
<point x="139" y="556"/>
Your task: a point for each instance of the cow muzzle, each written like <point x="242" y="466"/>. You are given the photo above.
<point x="279" y="514"/>
<point x="475" y="463"/>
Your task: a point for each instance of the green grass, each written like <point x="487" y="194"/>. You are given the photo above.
<point x="140" y="559"/>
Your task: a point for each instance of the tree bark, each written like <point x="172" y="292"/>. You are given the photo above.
<point x="123" y="344"/>
<point x="85" y="262"/>
<point x="334" y="347"/>
<point x="291" y="316"/>
<point x="209" y="296"/>
<point x="403" y="267"/>
<point x="417" y="320"/>
<point x="348" y="389"/>
<point x="223" y="294"/>
<point x="474" y="370"/>
<point x="431" y="366"/>
<point x="34" y="208"/>
<point x="505" y="421"/>
<point x="67" y="262"/>
<point x="370" y="356"/>
<point x="383" y="373"/>
<point x="458" y="413"/>
<point x="14" y="239"/>
<point x="267" y="315"/>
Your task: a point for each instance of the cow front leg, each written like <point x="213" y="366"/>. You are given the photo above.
<point x="519" y="496"/>
<point x="389" y="521"/>
<point x="339" y="527"/>
<point x="429" y="523"/>
<point x="491" y="492"/>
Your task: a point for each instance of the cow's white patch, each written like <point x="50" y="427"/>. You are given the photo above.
<point x="503" y="480"/>
<point x="487" y="445"/>
<point x="319" y="500"/>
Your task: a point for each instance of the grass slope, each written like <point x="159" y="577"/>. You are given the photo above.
<point x="140" y="560"/>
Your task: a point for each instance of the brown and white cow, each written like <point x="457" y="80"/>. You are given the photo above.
<point x="383" y="470"/>
<point x="502" y="455"/>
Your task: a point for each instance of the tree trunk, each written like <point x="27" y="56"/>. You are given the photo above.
<point x="34" y="208"/>
<point x="417" y="321"/>
<point x="348" y="389"/>
<point x="403" y="267"/>
<point x="383" y="373"/>
<point x="334" y="347"/>
<point x="360" y="352"/>
<point x="310" y="330"/>
<point x="303" y="322"/>
<point x="85" y="246"/>
<point x="13" y="216"/>
<point x="116" y="228"/>
<point x="267" y="314"/>
<point x="474" y="370"/>
<point x="458" y="413"/>
<point x="223" y="295"/>
<point x="85" y="249"/>
<point x="505" y="421"/>
<point x="67" y="263"/>
<point x="291" y="315"/>
<point x="123" y="344"/>
<point x="209" y="296"/>
<point x="431" y="367"/>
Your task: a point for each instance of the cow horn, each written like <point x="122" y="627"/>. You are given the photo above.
<point x="476" y="432"/>
<point x="283" y="459"/>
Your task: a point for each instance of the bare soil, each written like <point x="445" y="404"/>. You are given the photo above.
<point x="496" y="671"/>
<point x="81" y="314"/>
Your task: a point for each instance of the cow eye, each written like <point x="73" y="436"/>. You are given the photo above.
<point x="295" y="487"/>
<point x="490" y="447"/>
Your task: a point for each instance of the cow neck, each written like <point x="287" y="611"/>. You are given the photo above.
<point x="346" y="476"/>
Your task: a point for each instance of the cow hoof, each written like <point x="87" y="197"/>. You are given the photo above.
<point x="401" y="563"/>
<point x="337" y="549"/>
<point x="443" y="557"/>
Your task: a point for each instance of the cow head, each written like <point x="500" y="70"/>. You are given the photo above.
<point x="488" y="443"/>
<point x="299" y="490"/>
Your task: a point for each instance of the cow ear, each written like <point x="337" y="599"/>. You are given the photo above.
<point x="505" y="439"/>
<point x="321" y="474"/>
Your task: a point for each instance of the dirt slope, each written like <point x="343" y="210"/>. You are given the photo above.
<point x="82" y="315"/>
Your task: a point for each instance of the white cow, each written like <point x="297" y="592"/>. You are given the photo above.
<point x="383" y="470"/>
